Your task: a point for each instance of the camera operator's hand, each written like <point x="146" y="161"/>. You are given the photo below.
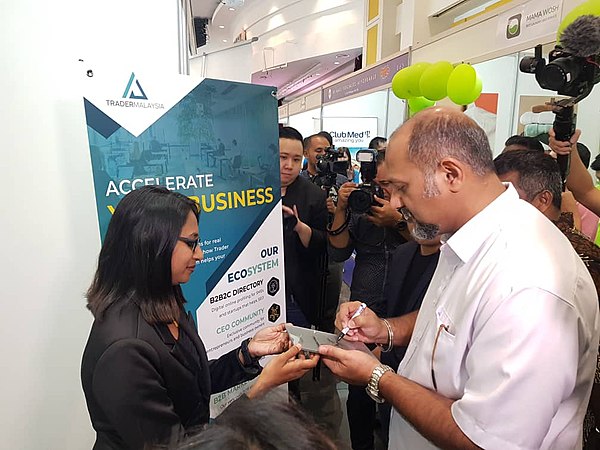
<point x="330" y="205"/>
<point x="563" y="147"/>
<point x="343" y="194"/>
<point x="304" y="231"/>
<point x="384" y="215"/>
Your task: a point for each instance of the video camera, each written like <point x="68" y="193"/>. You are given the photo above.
<point x="573" y="70"/>
<point x="329" y="165"/>
<point x="361" y="199"/>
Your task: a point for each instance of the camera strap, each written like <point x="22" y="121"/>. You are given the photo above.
<point x="342" y="227"/>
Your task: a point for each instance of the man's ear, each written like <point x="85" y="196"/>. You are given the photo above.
<point x="453" y="173"/>
<point x="543" y="201"/>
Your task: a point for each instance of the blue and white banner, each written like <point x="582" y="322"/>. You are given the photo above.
<point x="216" y="142"/>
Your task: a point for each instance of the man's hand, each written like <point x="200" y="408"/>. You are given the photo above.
<point x="384" y="215"/>
<point x="352" y="366"/>
<point x="269" y="341"/>
<point x="285" y="367"/>
<point x="287" y="211"/>
<point x="563" y="147"/>
<point x="343" y="194"/>
<point x="367" y="327"/>
<point x="330" y="205"/>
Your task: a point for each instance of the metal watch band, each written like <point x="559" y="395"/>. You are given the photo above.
<point x="373" y="385"/>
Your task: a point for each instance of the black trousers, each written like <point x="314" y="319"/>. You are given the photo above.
<point x="361" y="418"/>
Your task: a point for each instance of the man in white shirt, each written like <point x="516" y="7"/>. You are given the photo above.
<point x="502" y="352"/>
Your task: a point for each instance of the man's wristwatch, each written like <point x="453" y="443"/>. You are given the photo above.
<point x="373" y="386"/>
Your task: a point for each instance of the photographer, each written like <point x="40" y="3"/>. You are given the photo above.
<point x="315" y="148"/>
<point x="579" y="180"/>
<point x="321" y="170"/>
<point x="373" y="236"/>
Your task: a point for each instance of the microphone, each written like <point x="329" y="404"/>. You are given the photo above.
<point x="582" y="36"/>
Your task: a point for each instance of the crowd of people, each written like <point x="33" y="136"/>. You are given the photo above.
<point x="481" y="292"/>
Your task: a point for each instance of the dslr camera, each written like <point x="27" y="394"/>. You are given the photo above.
<point x="572" y="70"/>
<point x="361" y="199"/>
<point x="329" y="165"/>
<point x="565" y="73"/>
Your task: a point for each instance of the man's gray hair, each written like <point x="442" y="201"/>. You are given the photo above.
<point x="448" y="135"/>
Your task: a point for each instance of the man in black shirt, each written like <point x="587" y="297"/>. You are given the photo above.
<point x="305" y="242"/>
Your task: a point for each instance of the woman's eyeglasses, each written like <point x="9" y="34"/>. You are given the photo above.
<point x="191" y="243"/>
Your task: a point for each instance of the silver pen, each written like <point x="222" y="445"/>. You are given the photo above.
<point x="357" y="313"/>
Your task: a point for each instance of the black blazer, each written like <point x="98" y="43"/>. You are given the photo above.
<point x="142" y="387"/>
<point x="305" y="268"/>
<point x="400" y="263"/>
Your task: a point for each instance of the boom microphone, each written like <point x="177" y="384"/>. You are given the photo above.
<point x="582" y="36"/>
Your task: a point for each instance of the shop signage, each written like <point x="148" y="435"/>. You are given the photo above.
<point x="363" y="81"/>
<point x="529" y="21"/>
<point x="351" y="132"/>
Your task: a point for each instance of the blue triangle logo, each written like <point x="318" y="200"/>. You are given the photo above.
<point x="130" y="91"/>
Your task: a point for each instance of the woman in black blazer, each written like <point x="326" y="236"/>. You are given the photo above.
<point x="145" y="373"/>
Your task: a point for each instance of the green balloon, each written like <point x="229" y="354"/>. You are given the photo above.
<point x="591" y="7"/>
<point x="434" y="80"/>
<point x="461" y="84"/>
<point x="417" y="104"/>
<point x="414" y="78"/>
<point x="400" y="83"/>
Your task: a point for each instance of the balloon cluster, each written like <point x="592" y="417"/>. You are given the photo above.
<point x="422" y="84"/>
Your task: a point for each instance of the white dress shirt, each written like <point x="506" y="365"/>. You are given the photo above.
<point x="516" y="312"/>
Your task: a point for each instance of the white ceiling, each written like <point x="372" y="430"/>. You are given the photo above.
<point x="325" y="68"/>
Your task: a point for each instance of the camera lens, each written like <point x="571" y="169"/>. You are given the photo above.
<point x="559" y="73"/>
<point x="528" y="64"/>
<point x="360" y="201"/>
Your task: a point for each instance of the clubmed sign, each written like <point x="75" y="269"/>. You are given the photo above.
<point x="352" y="132"/>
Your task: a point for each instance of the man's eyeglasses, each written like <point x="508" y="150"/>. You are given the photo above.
<point x="191" y="243"/>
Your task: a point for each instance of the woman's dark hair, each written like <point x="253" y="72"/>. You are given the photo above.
<point x="135" y="259"/>
<point x="269" y="423"/>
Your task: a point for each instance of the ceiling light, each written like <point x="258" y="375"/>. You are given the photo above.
<point x="221" y="26"/>
<point x="342" y="55"/>
<point x="317" y="74"/>
<point x="231" y="9"/>
<point x="336" y="62"/>
<point x="224" y="40"/>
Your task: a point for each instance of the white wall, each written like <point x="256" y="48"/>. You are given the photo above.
<point x="232" y="64"/>
<point x="395" y="113"/>
<point x="307" y="123"/>
<point x="499" y="77"/>
<point x="371" y="105"/>
<point x="49" y="233"/>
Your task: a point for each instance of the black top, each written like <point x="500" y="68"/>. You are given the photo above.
<point x="142" y="387"/>
<point x="408" y="279"/>
<point x="305" y="267"/>
<point x="373" y="246"/>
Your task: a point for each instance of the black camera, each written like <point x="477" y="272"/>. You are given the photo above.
<point x="361" y="199"/>
<point x="329" y="165"/>
<point x="565" y="73"/>
<point x="572" y="73"/>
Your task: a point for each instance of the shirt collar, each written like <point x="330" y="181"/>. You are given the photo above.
<point x="469" y="238"/>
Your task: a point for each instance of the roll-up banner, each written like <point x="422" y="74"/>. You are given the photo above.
<point x="217" y="143"/>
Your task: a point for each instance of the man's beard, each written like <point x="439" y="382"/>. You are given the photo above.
<point x="420" y="231"/>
